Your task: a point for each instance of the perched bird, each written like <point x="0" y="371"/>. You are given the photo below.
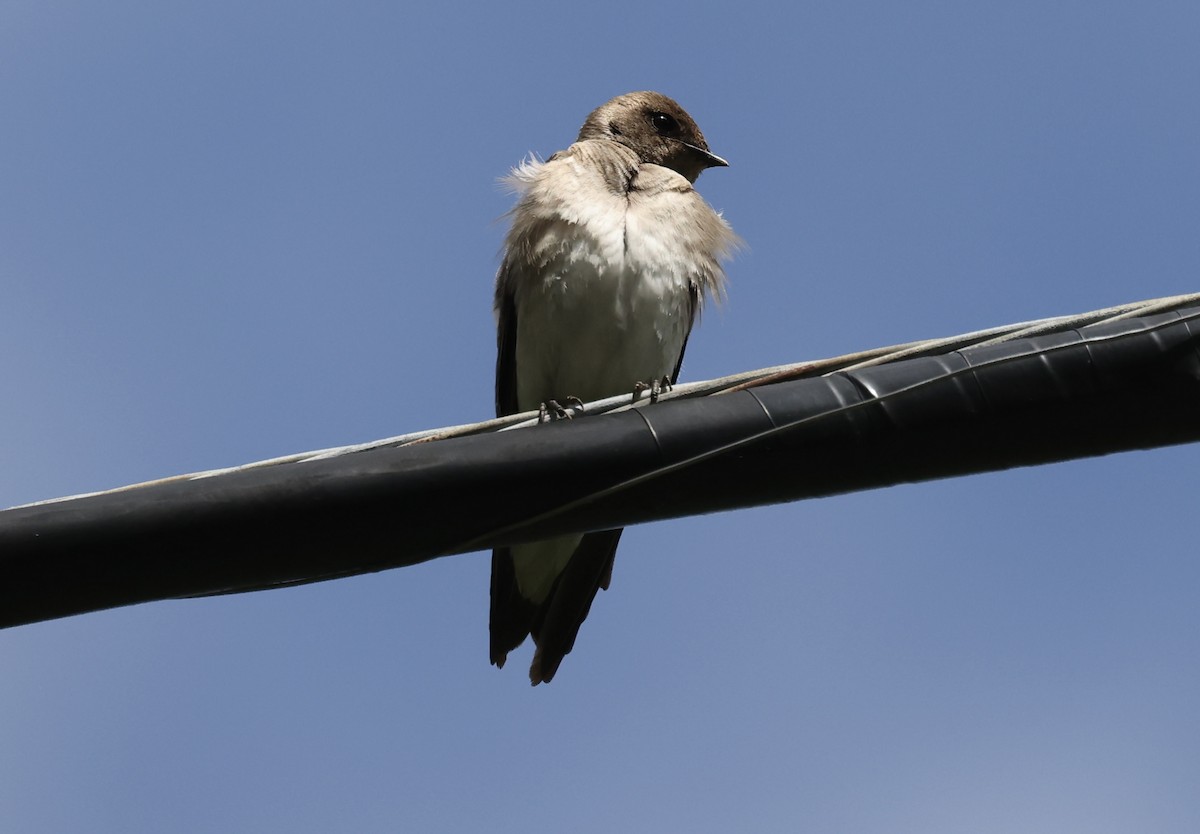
<point x="610" y="255"/>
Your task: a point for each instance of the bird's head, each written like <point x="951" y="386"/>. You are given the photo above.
<point x="656" y="128"/>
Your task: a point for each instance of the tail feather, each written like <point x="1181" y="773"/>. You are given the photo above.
<point x="557" y="622"/>
<point x="554" y="623"/>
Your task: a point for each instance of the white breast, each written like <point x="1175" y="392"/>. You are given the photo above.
<point x="593" y="325"/>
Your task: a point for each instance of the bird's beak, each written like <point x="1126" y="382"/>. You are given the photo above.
<point x="711" y="160"/>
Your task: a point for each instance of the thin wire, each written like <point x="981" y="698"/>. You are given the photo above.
<point x="700" y="457"/>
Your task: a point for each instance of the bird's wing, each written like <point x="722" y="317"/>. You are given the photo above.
<point x="506" y="345"/>
<point x="511" y="614"/>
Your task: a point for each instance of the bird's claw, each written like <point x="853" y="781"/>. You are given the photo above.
<point x="551" y="411"/>
<point x="656" y="388"/>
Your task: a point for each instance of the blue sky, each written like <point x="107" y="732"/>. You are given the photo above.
<point x="231" y="231"/>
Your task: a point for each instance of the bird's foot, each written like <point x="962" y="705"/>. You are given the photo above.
<point x="656" y="388"/>
<point x="551" y="411"/>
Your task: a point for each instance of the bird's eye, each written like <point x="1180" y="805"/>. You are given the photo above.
<point x="664" y="124"/>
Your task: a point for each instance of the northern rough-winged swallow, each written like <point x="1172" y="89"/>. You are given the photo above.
<point x="610" y="255"/>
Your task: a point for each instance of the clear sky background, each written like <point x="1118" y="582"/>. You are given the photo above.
<point x="230" y="231"/>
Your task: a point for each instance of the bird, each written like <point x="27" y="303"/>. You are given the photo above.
<point x="610" y="255"/>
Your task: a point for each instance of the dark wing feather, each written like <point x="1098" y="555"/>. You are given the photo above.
<point x="557" y="623"/>
<point x="506" y="347"/>
<point x="511" y="614"/>
<point x="693" y="309"/>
